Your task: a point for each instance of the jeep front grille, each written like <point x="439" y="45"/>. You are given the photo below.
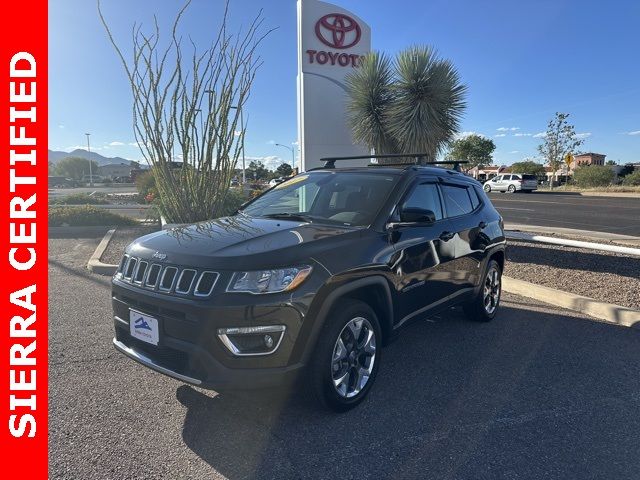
<point x="166" y="278"/>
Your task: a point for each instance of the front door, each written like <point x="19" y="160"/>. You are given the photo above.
<point x="423" y="255"/>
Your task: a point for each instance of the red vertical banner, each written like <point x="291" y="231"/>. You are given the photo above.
<point x="23" y="234"/>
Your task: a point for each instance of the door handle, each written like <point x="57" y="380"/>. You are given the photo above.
<point x="482" y="225"/>
<point x="446" y="236"/>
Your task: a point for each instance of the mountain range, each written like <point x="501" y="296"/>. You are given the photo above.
<point x="56" y="156"/>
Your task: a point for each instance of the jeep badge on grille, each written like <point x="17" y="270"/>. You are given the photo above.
<point x="159" y="256"/>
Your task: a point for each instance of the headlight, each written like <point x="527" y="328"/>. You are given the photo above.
<point x="269" y="281"/>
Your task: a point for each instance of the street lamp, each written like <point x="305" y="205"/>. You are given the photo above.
<point x="293" y="155"/>
<point x="244" y="175"/>
<point x="89" y="150"/>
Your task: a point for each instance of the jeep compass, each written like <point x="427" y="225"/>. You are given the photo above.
<point x="307" y="282"/>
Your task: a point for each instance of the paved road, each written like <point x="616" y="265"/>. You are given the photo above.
<point x="538" y="393"/>
<point x="603" y="214"/>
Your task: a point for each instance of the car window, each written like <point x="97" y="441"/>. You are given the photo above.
<point x="425" y="195"/>
<point x="456" y="200"/>
<point x="497" y="178"/>
<point x="475" y="201"/>
<point x="506" y="177"/>
<point x="528" y="177"/>
<point x="515" y="177"/>
<point x="347" y="198"/>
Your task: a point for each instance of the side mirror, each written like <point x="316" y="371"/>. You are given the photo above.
<point x="417" y="215"/>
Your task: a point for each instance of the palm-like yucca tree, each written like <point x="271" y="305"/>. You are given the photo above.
<point x="411" y="105"/>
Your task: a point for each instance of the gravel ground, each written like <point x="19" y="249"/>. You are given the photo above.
<point x="609" y="277"/>
<point x="122" y="238"/>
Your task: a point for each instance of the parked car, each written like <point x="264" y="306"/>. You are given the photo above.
<point x="304" y="285"/>
<point x="512" y="182"/>
<point x="275" y="181"/>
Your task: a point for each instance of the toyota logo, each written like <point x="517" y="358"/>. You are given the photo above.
<point x="338" y="30"/>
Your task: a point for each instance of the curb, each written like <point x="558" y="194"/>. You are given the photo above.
<point x="95" y="265"/>
<point x="514" y="235"/>
<point x="587" y="234"/>
<point x="607" y="312"/>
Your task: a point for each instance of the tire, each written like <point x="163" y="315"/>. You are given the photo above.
<point x="491" y="289"/>
<point x="487" y="188"/>
<point x="337" y="356"/>
<point x="512" y="189"/>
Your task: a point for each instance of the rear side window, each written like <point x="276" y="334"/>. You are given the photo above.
<point x="425" y="195"/>
<point x="475" y="201"/>
<point x="515" y="177"/>
<point x="456" y="200"/>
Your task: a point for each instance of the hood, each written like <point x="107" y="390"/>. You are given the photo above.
<point x="242" y="243"/>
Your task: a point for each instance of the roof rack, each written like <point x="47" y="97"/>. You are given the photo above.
<point x="330" y="162"/>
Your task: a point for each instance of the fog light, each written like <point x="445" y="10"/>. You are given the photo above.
<point x="245" y="341"/>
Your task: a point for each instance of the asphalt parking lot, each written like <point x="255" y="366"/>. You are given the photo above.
<point x="538" y="393"/>
<point x="601" y="214"/>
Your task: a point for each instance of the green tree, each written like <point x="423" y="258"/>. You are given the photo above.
<point x="475" y="149"/>
<point x="611" y="162"/>
<point x="413" y="104"/>
<point x="284" y="170"/>
<point x="75" y="167"/>
<point x="593" y="176"/>
<point x="559" y="140"/>
<point x="257" y="171"/>
<point x="528" y="166"/>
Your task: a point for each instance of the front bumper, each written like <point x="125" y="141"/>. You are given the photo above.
<point x="189" y="348"/>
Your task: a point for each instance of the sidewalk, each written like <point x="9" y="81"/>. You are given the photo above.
<point x="584" y="234"/>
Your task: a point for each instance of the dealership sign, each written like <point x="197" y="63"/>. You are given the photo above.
<point x="331" y="41"/>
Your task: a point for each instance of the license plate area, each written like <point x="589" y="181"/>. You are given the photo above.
<point x="144" y="327"/>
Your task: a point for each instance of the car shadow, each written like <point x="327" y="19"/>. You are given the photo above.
<point x="568" y="259"/>
<point x="453" y="399"/>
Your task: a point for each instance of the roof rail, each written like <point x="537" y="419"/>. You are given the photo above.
<point x="330" y="162"/>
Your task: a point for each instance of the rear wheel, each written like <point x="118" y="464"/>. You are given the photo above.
<point x="512" y="189"/>
<point x="484" y="306"/>
<point x="345" y="361"/>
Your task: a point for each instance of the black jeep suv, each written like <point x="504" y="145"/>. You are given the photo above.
<point x="309" y="280"/>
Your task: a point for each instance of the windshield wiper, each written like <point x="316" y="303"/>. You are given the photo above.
<point x="290" y="216"/>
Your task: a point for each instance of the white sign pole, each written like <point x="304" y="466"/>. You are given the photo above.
<point x="330" y="42"/>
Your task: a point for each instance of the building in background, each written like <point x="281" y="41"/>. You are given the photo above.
<point x="587" y="159"/>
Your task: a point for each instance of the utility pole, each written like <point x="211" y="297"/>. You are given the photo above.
<point x="293" y="155"/>
<point x="89" y="150"/>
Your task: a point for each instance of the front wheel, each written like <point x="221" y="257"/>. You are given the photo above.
<point x="512" y="189"/>
<point x="484" y="306"/>
<point x="345" y="361"/>
<point x="487" y="188"/>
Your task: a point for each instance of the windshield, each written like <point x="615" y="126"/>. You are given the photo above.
<point x="347" y="198"/>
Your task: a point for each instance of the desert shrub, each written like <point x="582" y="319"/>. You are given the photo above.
<point x="632" y="179"/>
<point x="593" y="176"/>
<point x="146" y="185"/>
<point x="78" y="199"/>
<point x="235" y="197"/>
<point x="86" y="216"/>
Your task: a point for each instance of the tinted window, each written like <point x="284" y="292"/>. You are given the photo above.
<point x="456" y="200"/>
<point x="515" y="177"/>
<point x="475" y="201"/>
<point x="506" y="177"/>
<point x="349" y="198"/>
<point x="425" y="196"/>
<point x="529" y="177"/>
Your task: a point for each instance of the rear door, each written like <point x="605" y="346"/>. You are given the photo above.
<point x="463" y="209"/>
<point x="529" y="182"/>
<point x="423" y="254"/>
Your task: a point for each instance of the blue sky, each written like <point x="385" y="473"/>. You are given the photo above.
<point x="522" y="61"/>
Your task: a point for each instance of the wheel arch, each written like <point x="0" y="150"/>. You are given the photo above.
<point x="373" y="290"/>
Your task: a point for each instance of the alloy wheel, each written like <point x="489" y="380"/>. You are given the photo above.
<point x="354" y="356"/>
<point x="491" y="290"/>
